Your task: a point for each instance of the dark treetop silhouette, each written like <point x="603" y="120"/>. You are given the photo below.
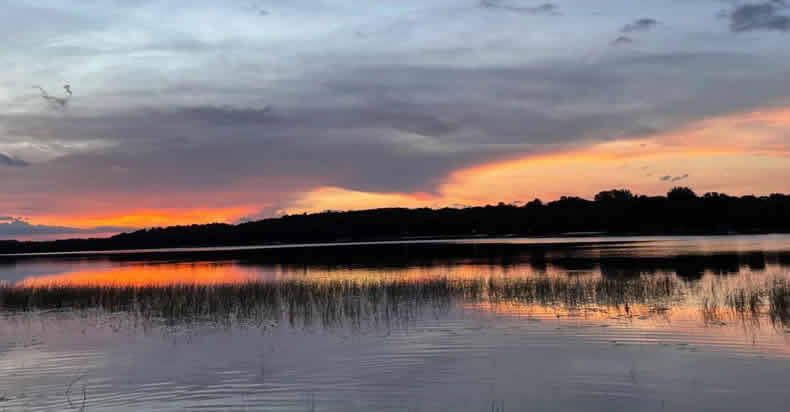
<point x="611" y="212"/>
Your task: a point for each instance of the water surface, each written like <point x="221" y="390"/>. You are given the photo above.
<point x="503" y="324"/>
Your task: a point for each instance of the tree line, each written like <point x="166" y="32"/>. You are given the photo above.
<point x="619" y="211"/>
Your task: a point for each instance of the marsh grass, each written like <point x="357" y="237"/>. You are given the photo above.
<point x="300" y="303"/>
<point x="779" y="301"/>
<point x="770" y="299"/>
<point x="303" y="303"/>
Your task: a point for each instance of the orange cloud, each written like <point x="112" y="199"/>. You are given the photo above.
<point x="335" y="198"/>
<point x="149" y="217"/>
<point x="754" y="132"/>
<point x="738" y="154"/>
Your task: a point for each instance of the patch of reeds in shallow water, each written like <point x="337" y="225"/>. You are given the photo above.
<point x="334" y="302"/>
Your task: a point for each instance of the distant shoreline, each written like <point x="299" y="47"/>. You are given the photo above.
<point x="534" y="241"/>
<point x="611" y="213"/>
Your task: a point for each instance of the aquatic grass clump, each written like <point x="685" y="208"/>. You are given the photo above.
<point x="299" y="302"/>
<point x="302" y="303"/>
<point x="779" y="301"/>
<point x="576" y="292"/>
<point x="746" y="301"/>
<point x="770" y="298"/>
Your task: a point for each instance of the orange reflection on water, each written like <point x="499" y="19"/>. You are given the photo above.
<point x="647" y="316"/>
<point x="147" y="275"/>
<point x="211" y="273"/>
<point x="415" y="273"/>
<point x="682" y="325"/>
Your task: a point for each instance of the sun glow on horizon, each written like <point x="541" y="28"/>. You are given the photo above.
<point x="149" y="217"/>
<point x="741" y="153"/>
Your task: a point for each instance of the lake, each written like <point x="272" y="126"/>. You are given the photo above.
<point x="512" y="324"/>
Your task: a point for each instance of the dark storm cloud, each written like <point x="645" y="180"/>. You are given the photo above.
<point x="643" y="24"/>
<point x="760" y="16"/>
<point x="545" y="8"/>
<point x="389" y="128"/>
<point x="7" y="160"/>
<point x="205" y="146"/>
<point x="11" y="227"/>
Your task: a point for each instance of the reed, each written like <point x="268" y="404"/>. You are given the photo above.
<point x="332" y="302"/>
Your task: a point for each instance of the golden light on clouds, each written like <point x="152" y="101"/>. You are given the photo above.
<point x="335" y="198"/>
<point x="149" y="217"/>
<point x="741" y="153"/>
<point x="738" y="154"/>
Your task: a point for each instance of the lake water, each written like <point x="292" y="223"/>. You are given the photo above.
<point x="598" y="324"/>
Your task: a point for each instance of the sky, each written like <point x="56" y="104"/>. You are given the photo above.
<point x="124" y="114"/>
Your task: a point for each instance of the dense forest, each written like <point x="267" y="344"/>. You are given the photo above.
<point x="681" y="211"/>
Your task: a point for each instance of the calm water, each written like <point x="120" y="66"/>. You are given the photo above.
<point x="683" y="348"/>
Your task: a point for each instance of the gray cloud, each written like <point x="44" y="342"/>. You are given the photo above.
<point x="257" y="9"/>
<point x="669" y="178"/>
<point x="59" y="102"/>
<point x="8" y="160"/>
<point x="722" y="14"/>
<point x="622" y="40"/>
<point x="11" y="227"/>
<point x="386" y="128"/>
<point x="169" y="108"/>
<point x="760" y="16"/>
<point x="545" y="8"/>
<point x="643" y="24"/>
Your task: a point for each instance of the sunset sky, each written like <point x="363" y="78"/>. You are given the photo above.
<point x="201" y="111"/>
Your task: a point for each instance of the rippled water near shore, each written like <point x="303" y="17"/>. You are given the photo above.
<point x="509" y="324"/>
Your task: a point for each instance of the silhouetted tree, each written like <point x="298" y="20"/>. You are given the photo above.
<point x="614" y="211"/>
<point x="617" y="195"/>
<point x="535" y="203"/>
<point x="681" y="193"/>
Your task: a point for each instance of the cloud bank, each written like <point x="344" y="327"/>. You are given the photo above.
<point x="545" y="8"/>
<point x="220" y="109"/>
<point x="8" y="160"/>
<point x="760" y="16"/>
<point x="643" y="24"/>
<point x="12" y="228"/>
